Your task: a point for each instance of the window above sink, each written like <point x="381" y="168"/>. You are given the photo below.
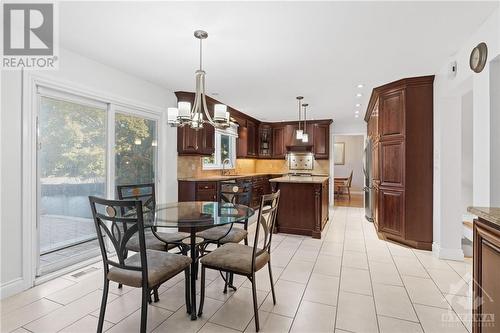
<point x="225" y="149"/>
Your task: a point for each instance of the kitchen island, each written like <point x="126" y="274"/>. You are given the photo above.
<point x="303" y="207"/>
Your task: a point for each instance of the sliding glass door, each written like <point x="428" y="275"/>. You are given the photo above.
<point x="135" y="149"/>
<point x="71" y="166"/>
<point x="79" y="155"/>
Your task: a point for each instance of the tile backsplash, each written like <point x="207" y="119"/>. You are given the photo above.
<point x="191" y="166"/>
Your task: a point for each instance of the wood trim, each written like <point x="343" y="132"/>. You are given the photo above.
<point x="399" y="84"/>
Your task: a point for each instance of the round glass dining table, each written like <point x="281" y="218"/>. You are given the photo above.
<point x="190" y="217"/>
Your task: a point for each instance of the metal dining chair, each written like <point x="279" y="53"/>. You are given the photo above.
<point x="245" y="260"/>
<point x="161" y="241"/>
<point x="235" y="193"/>
<point x="147" y="269"/>
<point x="239" y="192"/>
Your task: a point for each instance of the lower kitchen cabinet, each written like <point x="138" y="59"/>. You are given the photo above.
<point x="197" y="191"/>
<point x="486" y="286"/>
<point x="391" y="211"/>
<point x="189" y="190"/>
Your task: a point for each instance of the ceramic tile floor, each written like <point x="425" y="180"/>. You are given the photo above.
<point x="350" y="281"/>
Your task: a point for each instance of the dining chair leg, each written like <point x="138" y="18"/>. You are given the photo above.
<point x="103" y="305"/>
<point x="349" y="192"/>
<point x="187" y="284"/>
<point x="272" y="282"/>
<point x="226" y="281"/>
<point x="202" y="291"/>
<point x="255" y="309"/>
<point x="155" y="294"/>
<point x="144" y="308"/>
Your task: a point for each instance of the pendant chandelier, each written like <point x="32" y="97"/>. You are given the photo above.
<point x="305" y="136"/>
<point x="194" y="117"/>
<point x="299" y="133"/>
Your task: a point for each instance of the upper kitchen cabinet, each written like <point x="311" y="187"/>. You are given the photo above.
<point x="318" y="132"/>
<point x="248" y="137"/>
<point x="265" y="141"/>
<point x="190" y="141"/>
<point x="252" y="149"/>
<point x="278" y="143"/>
<point x="202" y="142"/>
<point x="400" y="123"/>
<point x="392" y="114"/>
<point x="321" y="140"/>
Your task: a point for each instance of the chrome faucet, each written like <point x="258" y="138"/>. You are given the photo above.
<point x="225" y="172"/>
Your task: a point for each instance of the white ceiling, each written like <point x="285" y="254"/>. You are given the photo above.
<point x="260" y="55"/>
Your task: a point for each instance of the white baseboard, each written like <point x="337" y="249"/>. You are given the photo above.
<point x="12" y="287"/>
<point x="448" y="254"/>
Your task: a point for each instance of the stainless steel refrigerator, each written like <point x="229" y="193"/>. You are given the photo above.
<point x="368" y="188"/>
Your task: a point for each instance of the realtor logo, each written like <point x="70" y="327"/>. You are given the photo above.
<point x="28" y="36"/>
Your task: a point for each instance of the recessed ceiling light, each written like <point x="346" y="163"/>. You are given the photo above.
<point x="356" y="116"/>
<point x="359" y="94"/>
<point x="360" y="85"/>
<point x="358" y="105"/>
<point x="356" y="112"/>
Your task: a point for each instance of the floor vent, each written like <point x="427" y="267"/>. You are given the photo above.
<point x="84" y="272"/>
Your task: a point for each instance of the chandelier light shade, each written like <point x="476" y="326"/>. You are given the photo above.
<point x="299" y="133"/>
<point x="194" y="116"/>
<point x="305" y="136"/>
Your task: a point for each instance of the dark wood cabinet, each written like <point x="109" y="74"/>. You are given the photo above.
<point x="392" y="114"/>
<point x="279" y="148"/>
<point x="265" y="141"/>
<point x="197" y="190"/>
<point x="252" y="139"/>
<point x="195" y="142"/>
<point x="391" y="211"/>
<point x="486" y="286"/>
<point x="193" y="190"/>
<point x="392" y="162"/>
<point x="192" y="142"/>
<point x="255" y="139"/>
<point x="321" y="141"/>
<point x="303" y="208"/>
<point x="242" y="142"/>
<point x="400" y="122"/>
<point x="247" y="142"/>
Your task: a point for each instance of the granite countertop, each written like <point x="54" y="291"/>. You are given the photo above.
<point x="491" y="214"/>
<point x="300" y="179"/>
<point x="217" y="177"/>
<point x="246" y="175"/>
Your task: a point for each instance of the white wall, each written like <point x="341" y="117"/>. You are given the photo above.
<point x="77" y="72"/>
<point x="467" y="151"/>
<point x="447" y="138"/>
<point x="494" y="132"/>
<point x="357" y="126"/>
<point x="353" y="148"/>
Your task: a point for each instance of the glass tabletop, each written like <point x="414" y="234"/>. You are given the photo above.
<point x="196" y="214"/>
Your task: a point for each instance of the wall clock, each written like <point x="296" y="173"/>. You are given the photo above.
<point x="478" y="57"/>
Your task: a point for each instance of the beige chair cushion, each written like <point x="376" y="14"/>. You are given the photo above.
<point x="236" y="235"/>
<point x="154" y="243"/>
<point x="236" y="258"/>
<point x="161" y="267"/>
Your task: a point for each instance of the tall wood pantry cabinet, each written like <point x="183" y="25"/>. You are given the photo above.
<point x="400" y="127"/>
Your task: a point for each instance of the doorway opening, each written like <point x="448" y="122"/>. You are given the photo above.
<point x="348" y="170"/>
